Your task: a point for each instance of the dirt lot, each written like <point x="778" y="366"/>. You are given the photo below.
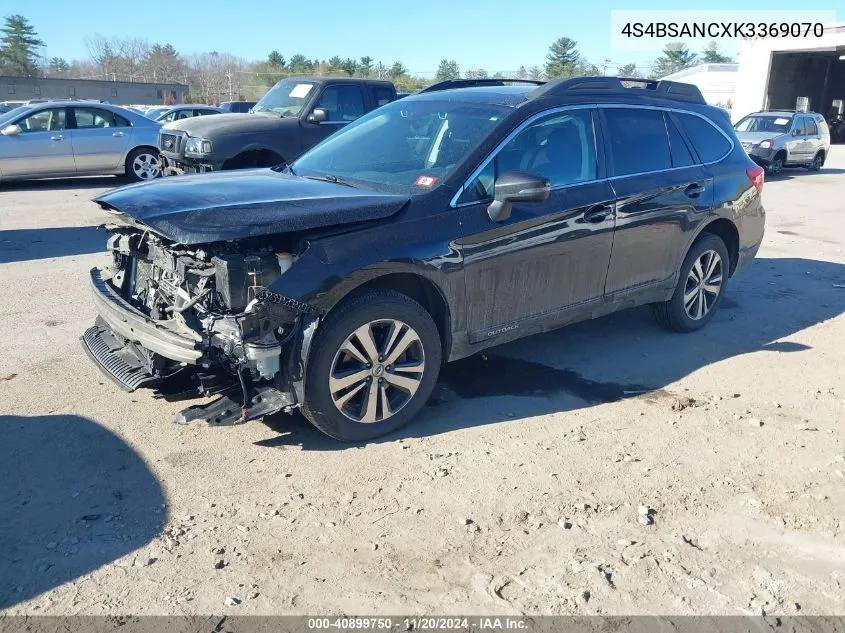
<point x="524" y="488"/>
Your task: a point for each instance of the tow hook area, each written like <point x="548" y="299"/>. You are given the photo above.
<point x="226" y="411"/>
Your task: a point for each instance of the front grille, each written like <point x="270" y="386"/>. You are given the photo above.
<point x="169" y="142"/>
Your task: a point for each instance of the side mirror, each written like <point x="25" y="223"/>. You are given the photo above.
<point x="11" y="130"/>
<point x="318" y="115"/>
<point x="516" y="186"/>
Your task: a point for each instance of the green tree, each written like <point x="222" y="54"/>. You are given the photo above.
<point x="57" y="67"/>
<point x="711" y="55"/>
<point x="275" y="58"/>
<point x="628" y="70"/>
<point x="562" y="59"/>
<point x="676" y="56"/>
<point x="349" y="66"/>
<point x="365" y="68"/>
<point x="397" y="70"/>
<point x="333" y="64"/>
<point x="448" y="69"/>
<point x="300" y="65"/>
<point x="19" y="47"/>
<point x="522" y="73"/>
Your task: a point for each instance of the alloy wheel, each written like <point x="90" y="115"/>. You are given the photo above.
<point x="703" y="285"/>
<point x="146" y="166"/>
<point x="377" y="370"/>
<point x="776" y="167"/>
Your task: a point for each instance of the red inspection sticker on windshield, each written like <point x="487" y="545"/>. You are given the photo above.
<point x="425" y="181"/>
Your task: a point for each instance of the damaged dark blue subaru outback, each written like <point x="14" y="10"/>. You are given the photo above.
<point x="468" y="215"/>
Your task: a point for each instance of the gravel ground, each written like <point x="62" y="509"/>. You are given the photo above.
<point x="530" y="485"/>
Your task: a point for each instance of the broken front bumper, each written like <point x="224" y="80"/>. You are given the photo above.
<point x="167" y="338"/>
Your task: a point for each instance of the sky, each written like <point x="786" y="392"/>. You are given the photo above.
<point x="497" y="35"/>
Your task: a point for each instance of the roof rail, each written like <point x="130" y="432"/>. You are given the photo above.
<point x="450" y="84"/>
<point x="619" y="85"/>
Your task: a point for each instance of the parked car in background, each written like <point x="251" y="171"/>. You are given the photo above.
<point x="75" y="138"/>
<point x="154" y="111"/>
<point x="425" y="231"/>
<point x="776" y="139"/>
<point x="12" y="104"/>
<point x="186" y="111"/>
<point x="4" y="108"/>
<point x="294" y="115"/>
<point x="237" y="106"/>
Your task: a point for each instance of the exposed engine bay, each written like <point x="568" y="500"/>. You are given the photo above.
<point x="215" y="296"/>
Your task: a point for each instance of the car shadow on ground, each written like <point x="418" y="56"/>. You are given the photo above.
<point x="73" y="497"/>
<point x="613" y="358"/>
<point x="20" y="245"/>
<point x="63" y="184"/>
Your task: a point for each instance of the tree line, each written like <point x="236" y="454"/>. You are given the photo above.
<point x="218" y="76"/>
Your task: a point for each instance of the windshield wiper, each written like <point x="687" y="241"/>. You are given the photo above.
<point x="331" y="178"/>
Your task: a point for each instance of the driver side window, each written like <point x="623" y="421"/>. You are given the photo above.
<point x="44" y="121"/>
<point x="560" y="147"/>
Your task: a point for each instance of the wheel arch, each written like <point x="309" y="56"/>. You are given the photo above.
<point x="262" y="155"/>
<point x="416" y="286"/>
<point x="726" y="230"/>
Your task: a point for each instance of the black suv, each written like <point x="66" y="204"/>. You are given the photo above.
<point x="425" y="231"/>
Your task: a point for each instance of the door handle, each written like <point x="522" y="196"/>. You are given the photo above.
<point x="694" y="190"/>
<point x="57" y="137"/>
<point x="597" y="214"/>
<point x="118" y="134"/>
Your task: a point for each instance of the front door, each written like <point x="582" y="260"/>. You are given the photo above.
<point x="662" y="190"/>
<point x="100" y="139"/>
<point x="343" y="102"/>
<point x="43" y="147"/>
<point x="546" y="257"/>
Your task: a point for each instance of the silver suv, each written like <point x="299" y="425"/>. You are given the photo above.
<point x="776" y="139"/>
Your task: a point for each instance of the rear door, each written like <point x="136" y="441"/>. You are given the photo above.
<point x="43" y="147"/>
<point x="661" y="189"/>
<point x="547" y="256"/>
<point x="813" y="137"/>
<point x="100" y="139"/>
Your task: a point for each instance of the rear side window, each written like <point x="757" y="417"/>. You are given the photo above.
<point x="383" y="96"/>
<point x="638" y="140"/>
<point x="708" y="141"/>
<point x="681" y="156"/>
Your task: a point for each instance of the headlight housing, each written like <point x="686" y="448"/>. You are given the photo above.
<point x="767" y="144"/>
<point x="197" y="146"/>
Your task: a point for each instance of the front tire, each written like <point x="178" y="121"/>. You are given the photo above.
<point x="143" y="163"/>
<point x="776" y="166"/>
<point x="701" y="285"/>
<point x="372" y="366"/>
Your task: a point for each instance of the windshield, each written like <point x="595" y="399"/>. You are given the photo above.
<point x="407" y="146"/>
<point x="10" y="116"/>
<point x="154" y="113"/>
<point x="768" y="123"/>
<point x="286" y="98"/>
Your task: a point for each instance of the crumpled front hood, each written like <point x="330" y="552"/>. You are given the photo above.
<point x="216" y="125"/>
<point x="246" y="203"/>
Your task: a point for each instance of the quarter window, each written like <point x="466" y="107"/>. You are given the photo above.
<point x="560" y="147"/>
<point x="44" y="121"/>
<point x="709" y="142"/>
<point x="638" y="140"/>
<point x="343" y="103"/>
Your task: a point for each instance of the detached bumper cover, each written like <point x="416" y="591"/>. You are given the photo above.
<point x="166" y="338"/>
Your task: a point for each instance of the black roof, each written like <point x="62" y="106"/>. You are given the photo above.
<point x="600" y="88"/>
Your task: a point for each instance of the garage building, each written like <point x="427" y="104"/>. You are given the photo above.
<point x="792" y="74"/>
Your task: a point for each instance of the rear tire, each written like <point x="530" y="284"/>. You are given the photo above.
<point x="702" y="281"/>
<point x="352" y="394"/>
<point x="817" y="162"/>
<point x="143" y="164"/>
